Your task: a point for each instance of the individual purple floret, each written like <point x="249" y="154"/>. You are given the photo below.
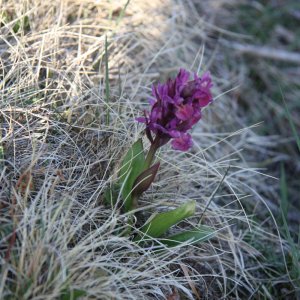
<point x="176" y="108"/>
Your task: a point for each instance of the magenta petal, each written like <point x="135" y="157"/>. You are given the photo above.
<point x="172" y="125"/>
<point x="204" y="101"/>
<point x="183" y="143"/>
<point x="185" y="112"/>
<point x="183" y="76"/>
<point x="151" y="101"/>
<point x="157" y="127"/>
<point x="196" y="117"/>
<point x="155" y="93"/>
<point x="202" y="98"/>
<point x="176" y="107"/>
<point x="206" y="81"/>
<point x="141" y="119"/>
<point x="156" y="114"/>
<point x="174" y="133"/>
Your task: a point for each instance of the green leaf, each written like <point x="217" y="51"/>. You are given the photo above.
<point x="111" y="194"/>
<point x="24" y="22"/>
<point x="161" y="223"/>
<point x="121" y="15"/>
<point x="132" y="166"/>
<point x="199" y="234"/>
<point x="134" y="156"/>
<point x="72" y="294"/>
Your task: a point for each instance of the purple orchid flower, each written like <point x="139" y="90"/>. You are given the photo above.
<point x="175" y="109"/>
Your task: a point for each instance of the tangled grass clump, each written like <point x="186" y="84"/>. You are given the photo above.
<point x="69" y="100"/>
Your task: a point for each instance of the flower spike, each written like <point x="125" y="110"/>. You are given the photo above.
<point x="176" y="108"/>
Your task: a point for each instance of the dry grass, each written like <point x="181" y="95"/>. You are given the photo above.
<point x="60" y="155"/>
<point x="265" y="54"/>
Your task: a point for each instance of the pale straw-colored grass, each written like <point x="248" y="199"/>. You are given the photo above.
<point x="60" y="155"/>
